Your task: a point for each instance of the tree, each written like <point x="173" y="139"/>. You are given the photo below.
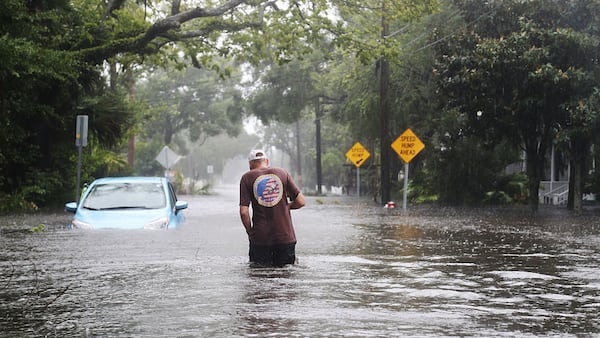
<point x="55" y="55"/>
<point x="516" y="83"/>
<point x="249" y="29"/>
<point x="43" y="86"/>
<point x="283" y="91"/>
<point x="375" y="49"/>
<point x="577" y="136"/>
<point x="193" y="100"/>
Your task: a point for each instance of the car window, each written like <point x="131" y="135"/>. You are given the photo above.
<point x="173" y="195"/>
<point x="125" y="195"/>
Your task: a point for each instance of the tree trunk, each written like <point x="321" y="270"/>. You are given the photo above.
<point x="535" y="168"/>
<point x="571" y="193"/>
<point x="319" y="115"/>
<point x="577" y="187"/>
<point x="299" y="155"/>
<point x="579" y="149"/>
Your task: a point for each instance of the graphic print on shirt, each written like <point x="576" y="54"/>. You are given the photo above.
<point x="268" y="190"/>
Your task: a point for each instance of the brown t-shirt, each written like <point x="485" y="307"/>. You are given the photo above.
<point x="268" y="190"/>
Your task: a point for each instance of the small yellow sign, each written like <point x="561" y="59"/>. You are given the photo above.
<point x="408" y="145"/>
<point x="357" y="154"/>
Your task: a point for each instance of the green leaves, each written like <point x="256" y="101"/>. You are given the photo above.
<point x="529" y="82"/>
<point x="196" y="103"/>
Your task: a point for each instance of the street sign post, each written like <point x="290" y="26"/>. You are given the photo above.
<point x="167" y="158"/>
<point x="407" y="146"/>
<point x="81" y="132"/>
<point x="358" y="155"/>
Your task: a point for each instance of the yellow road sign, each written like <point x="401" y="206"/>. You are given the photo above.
<point x="357" y="154"/>
<point x="407" y="145"/>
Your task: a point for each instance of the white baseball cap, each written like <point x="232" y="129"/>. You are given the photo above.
<point x="257" y="154"/>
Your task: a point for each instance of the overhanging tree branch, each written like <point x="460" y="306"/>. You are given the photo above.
<point x="169" y="28"/>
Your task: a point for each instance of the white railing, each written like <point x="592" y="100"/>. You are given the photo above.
<point x="554" y="192"/>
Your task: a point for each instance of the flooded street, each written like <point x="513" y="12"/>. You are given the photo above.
<point x="363" y="271"/>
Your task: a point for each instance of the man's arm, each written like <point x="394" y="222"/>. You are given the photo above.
<point x="245" y="216"/>
<point x="298" y="202"/>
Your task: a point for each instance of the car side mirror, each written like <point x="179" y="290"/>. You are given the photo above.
<point x="71" y="207"/>
<point x="180" y="205"/>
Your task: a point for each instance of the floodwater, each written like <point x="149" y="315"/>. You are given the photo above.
<point x="363" y="271"/>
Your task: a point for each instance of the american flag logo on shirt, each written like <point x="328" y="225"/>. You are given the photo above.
<point x="268" y="190"/>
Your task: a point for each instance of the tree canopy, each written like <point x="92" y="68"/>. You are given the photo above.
<point x="57" y="55"/>
<point x="516" y="81"/>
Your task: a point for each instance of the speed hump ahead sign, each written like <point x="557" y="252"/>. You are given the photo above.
<point x="357" y="154"/>
<point x="408" y="145"/>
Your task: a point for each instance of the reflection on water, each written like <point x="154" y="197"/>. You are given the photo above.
<point x="267" y="290"/>
<point x="363" y="271"/>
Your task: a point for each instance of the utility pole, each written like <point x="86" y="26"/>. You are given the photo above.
<point x="130" y="97"/>
<point x="319" y="115"/>
<point x="298" y="154"/>
<point x="384" y="105"/>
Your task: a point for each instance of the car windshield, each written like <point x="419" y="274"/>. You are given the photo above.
<point x="125" y="195"/>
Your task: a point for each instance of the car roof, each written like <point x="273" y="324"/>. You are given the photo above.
<point x="138" y="179"/>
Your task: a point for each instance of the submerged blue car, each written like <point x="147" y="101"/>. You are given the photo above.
<point x="128" y="203"/>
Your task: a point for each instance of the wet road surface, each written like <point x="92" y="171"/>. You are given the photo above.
<point x="363" y="271"/>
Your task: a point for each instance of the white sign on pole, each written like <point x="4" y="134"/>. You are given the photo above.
<point x="81" y="131"/>
<point x="167" y="157"/>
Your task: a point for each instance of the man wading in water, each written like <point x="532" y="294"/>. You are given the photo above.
<point x="272" y="193"/>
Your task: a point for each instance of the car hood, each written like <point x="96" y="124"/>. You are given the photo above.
<point x="119" y="218"/>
